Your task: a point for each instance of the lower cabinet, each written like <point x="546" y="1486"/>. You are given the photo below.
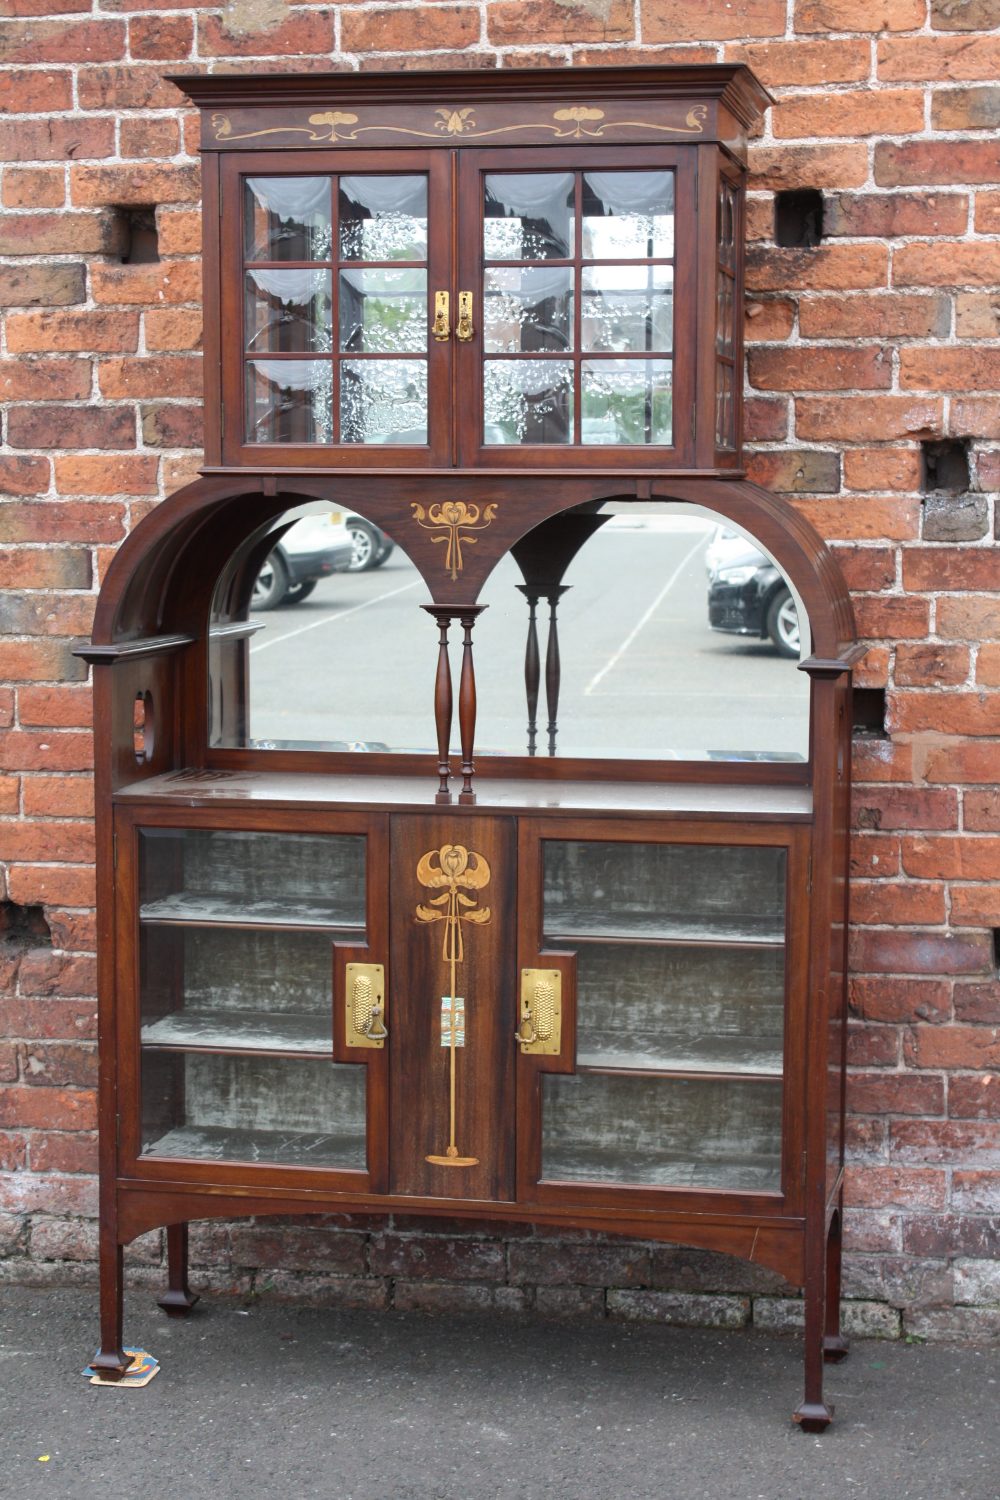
<point x="618" y="1012"/>
<point x="593" y="1021"/>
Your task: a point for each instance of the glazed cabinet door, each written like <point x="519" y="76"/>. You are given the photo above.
<point x="676" y="1063"/>
<point x="340" y="282"/>
<point x="229" y="1033"/>
<point x="577" y="285"/>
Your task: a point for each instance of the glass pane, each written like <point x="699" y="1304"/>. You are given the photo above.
<point x="293" y="1111"/>
<point x="674" y="892"/>
<point x="383" y="312"/>
<point x="527" y="310"/>
<point x="727" y="225"/>
<point x="204" y="877"/>
<point x="383" y="218"/>
<point x="627" y="401"/>
<point x="628" y="215"/>
<point x="725" y="407"/>
<point x="528" y="216"/>
<point x="289" y="311"/>
<point x="661" y="1132"/>
<point x="287" y="218"/>
<point x="234" y="988"/>
<point x="628" y="309"/>
<point x="383" y="401"/>
<point x="695" y="1009"/>
<point x="725" y="301"/>
<point x="289" y="401"/>
<point x="528" y="400"/>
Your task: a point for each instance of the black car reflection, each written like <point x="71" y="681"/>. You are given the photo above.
<point x="747" y="594"/>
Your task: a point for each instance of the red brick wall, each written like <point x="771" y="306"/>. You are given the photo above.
<point x="883" y="335"/>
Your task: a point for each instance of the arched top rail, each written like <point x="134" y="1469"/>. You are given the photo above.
<point x="162" y="580"/>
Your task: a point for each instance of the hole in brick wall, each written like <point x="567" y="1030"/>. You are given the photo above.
<point x="996" y="949"/>
<point x="142" y="727"/>
<point x="869" y="712"/>
<point x="140" y="244"/>
<point x="24" y="926"/>
<point x="945" y="466"/>
<point x="798" y="217"/>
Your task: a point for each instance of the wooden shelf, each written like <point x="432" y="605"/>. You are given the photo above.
<point x="241" y="1031"/>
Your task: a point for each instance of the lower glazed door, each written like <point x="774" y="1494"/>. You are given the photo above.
<point x="451" y="962"/>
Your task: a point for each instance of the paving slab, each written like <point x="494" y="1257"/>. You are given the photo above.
<point x="274" y="1401"/>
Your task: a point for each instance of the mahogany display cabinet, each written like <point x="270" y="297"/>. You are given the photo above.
<point x="497" y="885"/>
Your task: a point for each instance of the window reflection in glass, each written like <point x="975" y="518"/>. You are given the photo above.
<point x="383" y="312"/>
<point x="289" y="311"/>
<point x="628" y="215"/>
<point x="527" y="309"/>
<point x="628" y="309"/>
<point x="626" y="401"/>
<point x="289" y="401"/>
<point x="383" y="218"/>
<point x="287" y="218"/>
<point x="528" y="216"/>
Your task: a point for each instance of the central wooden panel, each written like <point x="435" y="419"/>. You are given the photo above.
<point x="452" y="911"/>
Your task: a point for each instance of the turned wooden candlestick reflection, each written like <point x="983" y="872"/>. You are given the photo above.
<point x="442" y="701"/>
<point x="543" y="555"/>
<point x="467" y="702"/>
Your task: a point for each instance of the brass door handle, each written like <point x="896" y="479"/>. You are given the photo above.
<point x="540" y="1029"/>
<point x="441" y="327"/>
<point x="464" y="329"/>
<point x="365" y="993"/>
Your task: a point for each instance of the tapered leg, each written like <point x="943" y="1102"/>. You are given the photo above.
<point x="111" y="1358"/>
<point x="178" y="1300"/>
<point x="835" y="1346"/>
<point x="814" y="1415"/>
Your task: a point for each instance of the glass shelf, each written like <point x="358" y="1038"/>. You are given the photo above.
<point x="754" y="1055"/>
<point x="272" y="1147"/>
<point x="244" y="1030"/>
<point x="661" y="930"/>
<point x="200" y="910"/>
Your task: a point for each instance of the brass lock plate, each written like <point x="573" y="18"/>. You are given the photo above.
<point x="364" y="995"/>
<point x="539" y="1030"/>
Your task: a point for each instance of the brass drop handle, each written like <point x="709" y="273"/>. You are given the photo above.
<point x="526" y="1033"/>
<point x="540" y="1028"/>
<point x="441" y="327"/>
<point x="365" y="1005"/>
<point x="464" y="329"/>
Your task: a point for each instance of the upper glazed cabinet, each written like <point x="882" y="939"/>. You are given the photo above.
<point x="524" y="276"/>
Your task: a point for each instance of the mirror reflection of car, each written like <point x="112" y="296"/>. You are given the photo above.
<point x="312" y="548"/>
<point x="372" y="547"/>
<point x="747" y="594"/>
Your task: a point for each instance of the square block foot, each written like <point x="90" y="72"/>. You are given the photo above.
<point x="177" y="1304"/>
<point x="813" y="1416"/>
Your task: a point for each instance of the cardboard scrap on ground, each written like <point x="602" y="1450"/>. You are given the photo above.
<point x="140" y="1371"/>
